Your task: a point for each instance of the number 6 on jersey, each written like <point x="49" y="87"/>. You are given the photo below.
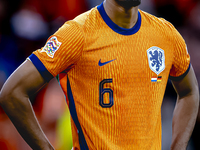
<point x="102" y="91"/>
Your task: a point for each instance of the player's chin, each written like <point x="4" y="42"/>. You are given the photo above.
<point x="129" y="3"/>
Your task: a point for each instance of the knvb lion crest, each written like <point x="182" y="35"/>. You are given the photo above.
<point x="156" y="59"/>
<point x="51" y="46"/>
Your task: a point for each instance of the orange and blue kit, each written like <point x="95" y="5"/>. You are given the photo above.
<point x="114" y="79"/>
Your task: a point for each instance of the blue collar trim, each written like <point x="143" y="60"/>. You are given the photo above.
<point x="117" y="28"/>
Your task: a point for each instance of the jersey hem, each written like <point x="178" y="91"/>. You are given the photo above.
<point x="47" y="76"/>
<point x="181" y="76"/>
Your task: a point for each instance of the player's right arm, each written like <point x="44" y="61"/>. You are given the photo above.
<point x="61" y="52"/>
<point x="14" y="99"/>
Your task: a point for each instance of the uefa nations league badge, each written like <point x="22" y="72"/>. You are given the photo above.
<point x="51" y="46"/>
<point x="156" y="59"/>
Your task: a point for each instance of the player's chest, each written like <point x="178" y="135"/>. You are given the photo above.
<point x="126" y="57"/>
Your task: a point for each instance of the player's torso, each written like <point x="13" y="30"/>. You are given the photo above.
<point x="118" y="86"/>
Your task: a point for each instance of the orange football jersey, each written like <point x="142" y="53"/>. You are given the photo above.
<point x="114" y="78"/>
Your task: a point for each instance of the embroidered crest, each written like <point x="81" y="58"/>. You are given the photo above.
<point x="51" y="46"/>
<point x="156" y="59"/>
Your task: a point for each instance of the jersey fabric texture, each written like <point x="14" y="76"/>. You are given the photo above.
<point x="114" y="79"/>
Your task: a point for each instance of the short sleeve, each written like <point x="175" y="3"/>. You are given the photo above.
<point x="61" y="51"/>
<point x="181" y="60"/>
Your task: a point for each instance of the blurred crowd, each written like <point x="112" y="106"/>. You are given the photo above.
<point x="25" y="26"/>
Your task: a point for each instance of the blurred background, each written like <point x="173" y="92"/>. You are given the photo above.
<point x="25" y="26"/>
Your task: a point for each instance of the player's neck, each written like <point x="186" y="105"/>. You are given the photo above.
<point x="123" y="17"/>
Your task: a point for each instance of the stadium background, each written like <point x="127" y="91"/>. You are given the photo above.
<point x="26" y="24"/>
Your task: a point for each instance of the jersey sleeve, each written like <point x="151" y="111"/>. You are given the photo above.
<point x="181" y="60"/>
<point x="61" y="51"/>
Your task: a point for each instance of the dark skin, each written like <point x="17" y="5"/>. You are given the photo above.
<point x="122" y="16"/>
<point x="14" y="96"/>
<point x="185" y="111"/>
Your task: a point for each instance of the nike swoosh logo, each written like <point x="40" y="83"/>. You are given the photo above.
<point x="104" y="63"/>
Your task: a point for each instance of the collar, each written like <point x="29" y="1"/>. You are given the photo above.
<point x="117" y="28"/>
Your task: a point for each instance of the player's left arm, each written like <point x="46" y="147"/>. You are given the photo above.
<point x="186" y="109"/>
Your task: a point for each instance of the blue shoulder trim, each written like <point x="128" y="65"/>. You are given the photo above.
<point x="181" y="76"/>
<point x="41" y="68"/>
<point x="117" y="28"/>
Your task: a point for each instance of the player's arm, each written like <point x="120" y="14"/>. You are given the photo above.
<point x="14" y="99"/>
<point x="186" y="110"/>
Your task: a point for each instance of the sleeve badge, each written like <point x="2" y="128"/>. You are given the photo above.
<point x="51" y="46"/>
